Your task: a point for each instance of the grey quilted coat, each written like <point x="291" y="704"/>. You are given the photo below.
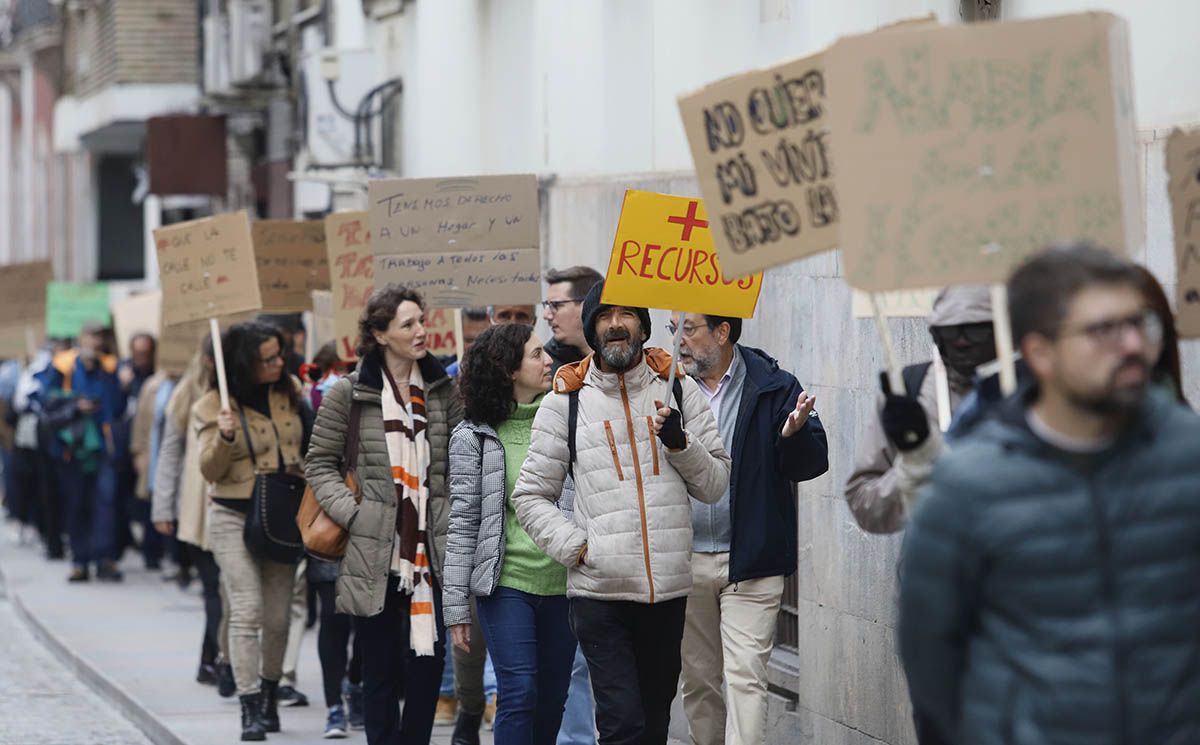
<point x="631" y="493"/>
<point x="362" y="583"/>
<point x="475" y="546"/>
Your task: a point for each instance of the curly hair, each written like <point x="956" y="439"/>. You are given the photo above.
<point x="240" y="344"/>
<point x="380" y="310"/>
<point x="485" y="377"/>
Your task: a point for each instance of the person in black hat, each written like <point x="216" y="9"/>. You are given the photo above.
<point x="627" y="548"/>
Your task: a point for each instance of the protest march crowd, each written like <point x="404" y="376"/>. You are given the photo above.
<point x="557" y="536"/>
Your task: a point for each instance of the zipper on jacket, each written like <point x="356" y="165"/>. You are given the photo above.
<point x="1109" y="593"/>
<point x="653" y="443"/>
<point x="637" y="473"/>
<point x="612" y="448"/>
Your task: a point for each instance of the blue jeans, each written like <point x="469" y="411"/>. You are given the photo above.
<point x="579" y="719"/>
<point x="91" y="512"/>
<point x="532" y="645"/>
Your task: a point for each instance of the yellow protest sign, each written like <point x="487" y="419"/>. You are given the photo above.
<point x="663" y="257"/>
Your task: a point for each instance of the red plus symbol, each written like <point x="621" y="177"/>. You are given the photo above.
<point x="689" y="221"/>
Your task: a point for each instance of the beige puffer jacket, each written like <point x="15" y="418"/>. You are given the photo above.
<point x="631" y="493"/>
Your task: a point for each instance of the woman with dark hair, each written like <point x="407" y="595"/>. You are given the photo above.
<point x="520" y="592"/>
<point x="1167" y="371"/>
<point x="264" y="402"/>
<point x="405" y="405"/>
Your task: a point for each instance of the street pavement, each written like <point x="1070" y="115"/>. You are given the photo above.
<point x="125" y="659"/>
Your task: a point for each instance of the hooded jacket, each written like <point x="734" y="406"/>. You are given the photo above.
<point x="631" y="493"/>
<point x="1048" y="599"/>
<point x="885" y="479"/>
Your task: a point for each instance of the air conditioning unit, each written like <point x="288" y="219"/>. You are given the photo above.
<point x="351" y="73"/>
<point x="250" y="25"/>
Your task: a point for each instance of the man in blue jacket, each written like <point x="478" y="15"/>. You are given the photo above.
<point x="1048" y="576"/>
<point x="744" y="545"/>
<point x="81" y="399"/>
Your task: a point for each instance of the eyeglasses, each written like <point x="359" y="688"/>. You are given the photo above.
<point x="277" y="357"/>
<point x="973" y="333"/>
<point x="554" y="306"/>
<point x="1110" y="333"/>
<point x="688" y="329"/>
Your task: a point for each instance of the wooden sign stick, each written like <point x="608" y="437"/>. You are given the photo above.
<point x="219" y="361"/>
<point x="674" y="362"/>
<point x="459" y="347"/>
<point x="1004" y="340"/>
<point x="895" y="379"/>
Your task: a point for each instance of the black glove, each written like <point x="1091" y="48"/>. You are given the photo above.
<point x="671" y="433"/>
<point x="904" y="420"/>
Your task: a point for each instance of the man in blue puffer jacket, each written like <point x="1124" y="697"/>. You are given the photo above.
<point x="1049" y="575"/>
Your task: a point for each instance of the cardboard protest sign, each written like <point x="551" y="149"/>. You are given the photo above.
<point x="760" y="142"/>
<point x="322" y="309"/>
<point x="1183" y="185"/>
<point x="207" y="268"/>
<point x="963" y="149"/>
<point x="352" y="270"/>
<point x="663" y="257"/>
<point x="72" y="305"/>
<point x="136" y="314"/>
<point x="292" y="262"/>
<point x="23" y="306"/>
<point x="895" y="303"/>
<point x="441" y="332"/>
<point x="459" y="241"/>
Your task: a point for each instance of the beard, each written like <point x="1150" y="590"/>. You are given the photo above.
<point x="620" y="358"/>
<point x="1115" y="399"/>
<point x="961" y="362"/>
<point x="700" y="365"/>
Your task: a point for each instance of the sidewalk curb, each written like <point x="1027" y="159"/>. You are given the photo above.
<point x="102" y="685"/>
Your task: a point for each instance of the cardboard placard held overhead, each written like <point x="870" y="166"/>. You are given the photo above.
<point x="663" y="257"/>
<point x="895" y="303"/>
<point x="441" y="331"/>
<point x="23" y="306"/>
<point x="207" y="268"/>
<point x="72" y="305"/>
<point x="961" y="150"/>
<point x="459" y="241"/>
<point x="760" y="143"/>
<point x="1183" y="174"/>
<point x="292" y="262"/>
<point x="352" y="270"/>
<point x="136" y="314"/>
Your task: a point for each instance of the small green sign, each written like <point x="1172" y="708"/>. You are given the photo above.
<point x="71" y="305"/>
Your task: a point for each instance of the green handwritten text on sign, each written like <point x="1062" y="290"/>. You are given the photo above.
<point x="962" y="150"/>
<point x="72" y="305"/>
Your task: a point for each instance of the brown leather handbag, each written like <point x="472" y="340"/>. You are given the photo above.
<point x="323" y="538"/>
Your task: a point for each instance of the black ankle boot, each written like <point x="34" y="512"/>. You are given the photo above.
<point x="252" y="726"/>
<point x="270" y="705"/>
<point x="466" y="729"/>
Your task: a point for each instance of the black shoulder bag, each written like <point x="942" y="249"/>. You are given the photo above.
<point x="271" y="531"/>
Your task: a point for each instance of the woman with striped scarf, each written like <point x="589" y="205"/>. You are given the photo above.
<point x="391" y="575"/>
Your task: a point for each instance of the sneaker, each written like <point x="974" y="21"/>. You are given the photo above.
<point x="79" y="574"/>
<point x="289" y="696"/>
<point x="207" y="674"/>
<point x="489" y="713"/>
<point x="335" y="723"/>
<point x="108" y="572"/>
<point x="226" y="686"/>
<point x="354" y="705"/>
<point x="447" y="711"/>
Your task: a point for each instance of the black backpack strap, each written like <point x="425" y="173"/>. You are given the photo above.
<point x="572" y="419"/>
<point x="914" y="378"/>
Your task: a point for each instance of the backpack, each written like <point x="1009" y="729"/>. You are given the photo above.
<point x="573" y="420"/>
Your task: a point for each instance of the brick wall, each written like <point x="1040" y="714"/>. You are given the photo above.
<point x="130" y="41"/>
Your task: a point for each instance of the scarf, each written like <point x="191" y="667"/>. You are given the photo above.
<point x="408" y="452"/>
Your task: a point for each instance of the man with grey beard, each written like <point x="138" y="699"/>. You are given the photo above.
<point x="628" y="548"/>
<point x="744" y="545"/>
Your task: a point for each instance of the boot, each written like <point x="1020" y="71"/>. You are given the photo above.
<point x="252" y="726"/>
<point x="226" y="686"/>
<point x="466" y="729"/>
<point x="270" y="705"/>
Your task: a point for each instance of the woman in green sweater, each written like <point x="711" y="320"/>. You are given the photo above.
<point x="520" y="592"/>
